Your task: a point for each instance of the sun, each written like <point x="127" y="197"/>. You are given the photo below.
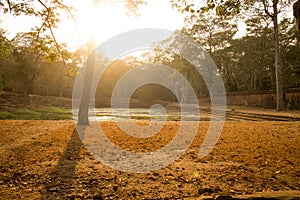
<point x="110" y="19"/>
<point x="104" y="21"/>
<point x="99" y="23"/>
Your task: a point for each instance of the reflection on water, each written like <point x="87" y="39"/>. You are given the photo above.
<point x="121" y="114"/>
<point x="104" y="114"/>
<point x="154" y="114"/>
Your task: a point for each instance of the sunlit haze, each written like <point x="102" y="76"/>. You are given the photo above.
<point x="110" y="19"/>
<point x="104" y="21"/>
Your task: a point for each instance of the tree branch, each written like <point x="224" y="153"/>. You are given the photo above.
<point x="46" y="19"/>
<point x="266" y="9"/>
<point x="69" y="11"/>
<point x="43" y="4"/>
<point x="9" y="5"/>
<point x="48" y="24"/>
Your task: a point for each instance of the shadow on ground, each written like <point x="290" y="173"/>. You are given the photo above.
<point x="61" y="179"/>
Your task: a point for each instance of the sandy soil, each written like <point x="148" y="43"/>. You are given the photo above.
<point x="46" y="160"/>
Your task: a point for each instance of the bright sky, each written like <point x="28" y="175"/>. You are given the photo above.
<point x="109" y="20"/>
<point x="104" y="22"/>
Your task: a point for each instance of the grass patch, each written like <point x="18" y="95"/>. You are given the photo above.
<point x="51" y="113"/>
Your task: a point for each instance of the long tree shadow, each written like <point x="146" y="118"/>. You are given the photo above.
<point x="61" y="179"/>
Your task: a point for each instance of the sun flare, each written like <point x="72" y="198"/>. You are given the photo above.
<point x="110" y="19"/>
<point x="106" y="20"/>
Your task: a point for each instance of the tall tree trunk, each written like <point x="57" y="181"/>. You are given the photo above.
<point x="296" y="12"/>
<point x="279" y="90"/>
<point x="210" y="44"/>
<point x="83" y="118"/>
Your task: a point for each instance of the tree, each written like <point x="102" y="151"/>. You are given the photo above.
<point x="48" y="12"/>
<point x="132" y="6"/>
<point x="290" y="53"/>
<point x="31" y="54"/>
<point x="247" y="64"/>
<point x="210" y="31"/>
<point x="83" y="118"/>
<point x="296" y="12"/>
<point x="4" y="45"/>
<point x="271" y="9"/>
<point x="4" y="54"/>
<point x="232" y="7"/>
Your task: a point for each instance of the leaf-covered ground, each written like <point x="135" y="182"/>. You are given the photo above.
<point x="47" y="160"/>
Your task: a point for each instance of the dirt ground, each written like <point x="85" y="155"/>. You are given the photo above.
<point x="47" y="160"/>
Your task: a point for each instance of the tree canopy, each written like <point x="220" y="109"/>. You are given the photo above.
<point x="247" y="63"/>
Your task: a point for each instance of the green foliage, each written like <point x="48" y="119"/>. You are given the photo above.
<point x="35" y="65"/>
<point x="52" y="113"/>
<point x="221" y="8"/>
<point x="210" y="31"/>
<point x="49" y="14"/>
<point x="4" y="45"/>
<point x="248" y="63"/>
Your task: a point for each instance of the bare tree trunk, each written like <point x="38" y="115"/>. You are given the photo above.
<point x="296" y="12"/>
<point x="87" y="86"/>
<point x="210" y="44"/>
<point x="279" y="90"/>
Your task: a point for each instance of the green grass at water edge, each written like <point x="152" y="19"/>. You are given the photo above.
<point x="51" y="113"/>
